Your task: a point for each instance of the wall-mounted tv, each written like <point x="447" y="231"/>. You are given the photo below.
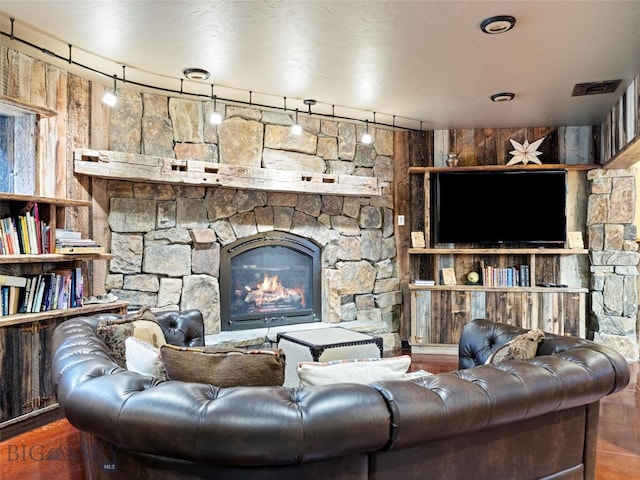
<point x="499" y="208"/>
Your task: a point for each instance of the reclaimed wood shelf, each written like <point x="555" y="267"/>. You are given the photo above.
<point x="54" y="257"/>
<point x="148" y="168"/>
<point x="505" y="168"/>
<point x="484" y="288"/>
<point x="25" y="370"/>
<point x="22" y="318"/>
<point x="499" y="251"/>
<point x="60" y="202"/>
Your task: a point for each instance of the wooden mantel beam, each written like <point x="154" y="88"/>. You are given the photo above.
<point x="147" y="168"/>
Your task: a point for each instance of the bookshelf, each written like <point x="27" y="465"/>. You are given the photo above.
<point x="545" y="288"/>
<point x="25" y="338"/>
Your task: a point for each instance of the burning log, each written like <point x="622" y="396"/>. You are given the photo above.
<point x="271" y="293"/>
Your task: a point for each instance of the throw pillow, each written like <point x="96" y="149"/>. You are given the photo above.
<point x="140" y="324"/>
<point x="522" y="347"/>
<point x="225" y="367"/>
<point x="142" y="357"/>
<point x="358" y="370"/>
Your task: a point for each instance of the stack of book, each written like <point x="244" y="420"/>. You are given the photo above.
<point x="69" y="241"/>
<point x="58" y="289"/>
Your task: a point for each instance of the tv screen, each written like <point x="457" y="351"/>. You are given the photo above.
<point x="493" y="208"/>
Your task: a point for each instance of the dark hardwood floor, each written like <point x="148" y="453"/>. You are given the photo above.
<point x="52" y="452"/>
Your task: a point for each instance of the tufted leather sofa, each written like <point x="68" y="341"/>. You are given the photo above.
<point x="518" y="419"/>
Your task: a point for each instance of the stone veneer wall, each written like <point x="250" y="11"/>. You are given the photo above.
<point x="614" y="259"/>
<point x="166" y="238"/>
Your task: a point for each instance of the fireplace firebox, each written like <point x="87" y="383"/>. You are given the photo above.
<point x="269" y="279"/>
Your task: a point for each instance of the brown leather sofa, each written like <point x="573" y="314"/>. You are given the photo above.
<point x="514" y="420"/>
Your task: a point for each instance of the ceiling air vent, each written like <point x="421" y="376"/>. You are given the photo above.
<point x="595" y="88"/>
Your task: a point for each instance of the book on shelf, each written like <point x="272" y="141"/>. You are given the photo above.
<point x="79" y="249"/>
<point x="419" y="281"/>
<point x="65" y="234"/>
<point x="58" y="289"/>
<point x="23" y="233"/>
<point x="12" y="281"/>
<point x="514" y="276"/>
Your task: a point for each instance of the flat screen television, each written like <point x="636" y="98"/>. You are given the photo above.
<point x="500" y="208"/>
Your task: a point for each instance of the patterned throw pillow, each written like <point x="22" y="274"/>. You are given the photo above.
<point x="141" y="324"/>
<point x="522" y="347"/>
<point x="224" y="367"/>
<point x="144" y="358"/>
<point x="360" y="370"/>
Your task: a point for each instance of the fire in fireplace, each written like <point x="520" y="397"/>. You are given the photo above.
<point x="269" y="279"/>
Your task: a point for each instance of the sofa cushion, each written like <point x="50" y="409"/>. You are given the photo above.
<point x="140" y="324"/>
<point x="142" y="357"/>
<point x="225" y="367"/>
<point x="521" y="347"/>
<point x="359" y="370"/>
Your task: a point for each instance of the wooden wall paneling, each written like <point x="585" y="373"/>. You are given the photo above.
<point x="478" y="306"/>
<point x="577" y="200"/>
<point x="504" y="146"/>
<point x="573" y="314"/>
<point x="38" y="84"/>
<point x="78" y="186"/>
<point x="54" y="146"/>
<point x="521" y="309"/>
<point x="402" y="200"/>
<point x="99" y="225"/>
<point x="421" y="321"/>
<point x="460" y="308"/>
<point x="464" y="144"/>
<point x="4" y="69"/>
<point x="576" y="145"/>
<point x="426" y="204"/>
<point x="486" y="147"/>
<point x="14" y="74"/>
<point x="44" y="352"/>
<point x="421" y="148"/>
<point x="550" y="312"/>
<point x="440" y="316"/>
<point x="16" y="372"/>
<point x="78" y="136"/>
<point x="441" y="148"/>
<point x="628" y="104"/>
<point x="24" y="152"/>
<point x="416" y="203"/>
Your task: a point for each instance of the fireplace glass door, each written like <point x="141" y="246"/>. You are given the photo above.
<point x="268" y="280"/>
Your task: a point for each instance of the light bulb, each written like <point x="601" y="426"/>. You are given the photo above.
<point x="366" y="138"/>
<point x="110" y="99"/>
<point x="296" y="129"/>
<point x="215" y="118"/>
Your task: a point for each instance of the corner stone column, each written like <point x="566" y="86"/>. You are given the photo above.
<point x="614" y="260"/>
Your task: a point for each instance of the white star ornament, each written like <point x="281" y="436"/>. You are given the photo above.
<point x="526" y="152"/>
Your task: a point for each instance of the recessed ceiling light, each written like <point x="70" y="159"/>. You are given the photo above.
<point x="497" y="24"/>
<point x="195" y="73"/>
<point x="502" y="97"/>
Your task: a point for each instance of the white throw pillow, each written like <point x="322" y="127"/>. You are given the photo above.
<point x="360" y="370"/>
<point x="142" y="357"/>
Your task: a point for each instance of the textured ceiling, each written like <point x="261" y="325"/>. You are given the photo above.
<point x="420" y="61"/>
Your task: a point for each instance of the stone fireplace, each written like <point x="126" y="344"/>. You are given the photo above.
<point x="175" y="244"/>
<point x="269" y="279"/>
